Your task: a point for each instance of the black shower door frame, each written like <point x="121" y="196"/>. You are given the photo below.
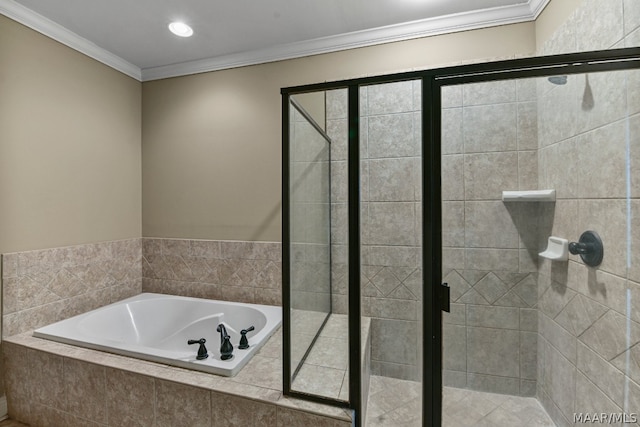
<point x="433" y="296"/>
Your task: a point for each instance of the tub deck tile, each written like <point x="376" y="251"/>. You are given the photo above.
<point x="259" y="382"/>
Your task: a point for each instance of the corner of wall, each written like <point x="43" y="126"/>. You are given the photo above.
<point x="554" y="14"/>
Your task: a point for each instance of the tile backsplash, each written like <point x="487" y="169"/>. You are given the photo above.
<point x="239" y="271"/>
<point x="44" y="286"/>
<point x="48" y="285"/>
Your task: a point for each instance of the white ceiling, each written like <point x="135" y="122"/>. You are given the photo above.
<point x="132" y="35"/>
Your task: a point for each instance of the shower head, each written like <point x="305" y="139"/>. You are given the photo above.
<point x="558" y="80"/>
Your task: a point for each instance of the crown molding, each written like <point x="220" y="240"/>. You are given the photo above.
<point x="39" y="23"/>
<point x="393" y="33"/>
<point x="537" y="6"/>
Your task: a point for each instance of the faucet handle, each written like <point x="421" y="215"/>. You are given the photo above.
<point x="244" y="342"/>
<point x="202" y="350"/>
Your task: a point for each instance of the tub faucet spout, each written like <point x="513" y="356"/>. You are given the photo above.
<point x="226" y="348"/>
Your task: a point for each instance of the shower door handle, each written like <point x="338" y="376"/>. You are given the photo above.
<point x="445" y="297"/>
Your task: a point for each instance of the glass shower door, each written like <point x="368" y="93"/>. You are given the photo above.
<point x="523" y="324"/>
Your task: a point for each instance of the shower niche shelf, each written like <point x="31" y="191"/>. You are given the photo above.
<point x="529" y="196"/>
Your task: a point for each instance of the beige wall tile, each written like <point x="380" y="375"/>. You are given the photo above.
<point x="497" y="92"/>
<point x="394" y="341"/>
<point x="608" y="219"/>
<point x="559" y="338"/>
<point x="390" y="180"/>
<point x="557" y="115"/>
<point x="452" y="130"/>
<point x="493" y="384"/>
<point x="53" y="284"/>
<point x="85" y="389"/>
<point x="486" y="175"/>
<point x="390" y="98"/>
<point x="528" y="355"/>
<point x="293" y="418"/>
<point x="493" y="317"/>
<point x="182" y="405"/>
<point x="631" y="16"/>
<point x="394" y="224"/>
<point x="526" y="90"/>
<point x="560" y="381"/>
<point x="493" y="351"/>
<point x="491" y="259"/>
<point x="47" y="372"/>
<point x="602" y="160"/>
<point x="17" y="381"/>
<point x="604" y="375"/>
<point x="454" y="348"/>
<point x="336" y="104"/>
<point x="490" y="128"/>
<point x="453" y="177"/>
<point x="9" y="265"/>
<point x="452" y="96"/>
<point x="558" y="170"/>
<point x="387" y="136"/>
<point x="590" y="399"/>
<point x="527" y="170"/>
<point x="634" y="155"/>
<point x="129" y="398"/>
<point x="235" y="411"/>
<point x="489" y="225"/>
<point x="611" y="335"/>
<point x="602" y="99"/>
<point x="598" y="24"/>
<point x="47" y="416"/>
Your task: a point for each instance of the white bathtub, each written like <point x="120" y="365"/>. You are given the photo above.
<point x="156" y="327"/>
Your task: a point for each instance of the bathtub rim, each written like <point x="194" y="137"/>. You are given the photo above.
<point x="134" y="351"/>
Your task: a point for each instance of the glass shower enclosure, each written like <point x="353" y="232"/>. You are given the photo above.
<point x="364" y="143"/>
<point x="416" y="193"/>
<point x="318" y="346"/>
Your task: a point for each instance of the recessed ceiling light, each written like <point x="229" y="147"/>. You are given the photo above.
<point x="180" y="29"/>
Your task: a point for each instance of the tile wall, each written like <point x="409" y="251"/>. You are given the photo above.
<point x="310" y="208"/>
<point x="489" y="247"/>
<point x="390" y="220"/>
<point x="337" y="127"/>
<point x="589" y="318"/>
<point x="227" y="270"/>
<point x="54" y="384"/>
<point x="45" y="286"/>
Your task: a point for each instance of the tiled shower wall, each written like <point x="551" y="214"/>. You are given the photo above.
<point x="310" y="207"/>
<point x="589" y="318"/>
<point x="489" y="247"/>
<point x="337" y="127"/>
<point x="390" y="220"/>
<point x="391" y="226"/>
<point x="45" y="286"/>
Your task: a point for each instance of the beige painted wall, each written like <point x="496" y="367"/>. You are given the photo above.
<point x="212" y="142"/>
<point x="70" y="136"/>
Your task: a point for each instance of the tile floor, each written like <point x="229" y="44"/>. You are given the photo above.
<point x="324" y="371"/>
<point x="395" y="402"/>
